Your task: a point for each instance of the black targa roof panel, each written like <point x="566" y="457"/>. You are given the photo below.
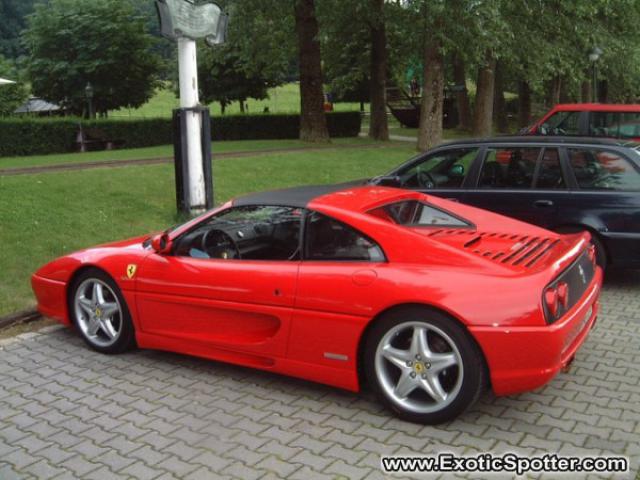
<point x="298" y="197"/>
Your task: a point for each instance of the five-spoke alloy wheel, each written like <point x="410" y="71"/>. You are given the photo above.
<point x="100" y="312"/>
<point x="423" y="365"/>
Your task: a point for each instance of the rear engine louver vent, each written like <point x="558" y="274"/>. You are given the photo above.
<point x="505" y="248"/>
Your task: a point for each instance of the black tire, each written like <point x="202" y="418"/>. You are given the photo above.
<point x="601" y="252"/>
<point x="468" y="388"/>
<point x="125" y="338"/>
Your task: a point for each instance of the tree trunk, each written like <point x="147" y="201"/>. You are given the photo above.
<point x="241" y="102"/>
<point x="313" y="123"/>
<point x="554" y="90"/>
<point x="482" y="119"/>
<point x="462" y="97"/>
<point x="223" y="107"/>
<point x="603" y="91"/>
<point x="430" y="133"/>
<point x="499" y="103"/>
<point x="524" y="104"/>
<point x="378" y="125"/>
<point x="585" y="92"/>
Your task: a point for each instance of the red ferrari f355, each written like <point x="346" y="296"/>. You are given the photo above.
<point x="426" y="300"/>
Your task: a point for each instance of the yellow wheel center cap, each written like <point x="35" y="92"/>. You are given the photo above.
<point x="98" y="312"/>
<point x="418" y="367"/>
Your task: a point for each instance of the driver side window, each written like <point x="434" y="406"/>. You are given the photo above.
<point x="446" y="169"/>
<point x="260" y="232"/>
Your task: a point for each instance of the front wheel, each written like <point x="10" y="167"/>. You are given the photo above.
<point x="100" y="313"/>
<point x="423" y="365"/>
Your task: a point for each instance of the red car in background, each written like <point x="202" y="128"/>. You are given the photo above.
<point x="590" y="120"/>
<point x="427" y="300"/>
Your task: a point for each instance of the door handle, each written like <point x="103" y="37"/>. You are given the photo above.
<point x="543" y="203"/>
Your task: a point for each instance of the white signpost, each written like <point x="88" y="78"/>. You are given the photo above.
<point x="185" y="22"/>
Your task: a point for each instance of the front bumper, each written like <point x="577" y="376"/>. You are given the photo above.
<point x="525" y="358"/>
<point x="51" y="296"/>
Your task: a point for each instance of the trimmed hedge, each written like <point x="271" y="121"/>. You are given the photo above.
<point x="35" y="136"/>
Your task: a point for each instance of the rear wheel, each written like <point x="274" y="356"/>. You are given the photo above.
<point x="100" y="313"/>
<point x="423" y="365"/>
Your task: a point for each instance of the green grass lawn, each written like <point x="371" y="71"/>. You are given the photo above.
<point x="167" y="151"/>
<point x="282" y="99"/>
<point x="43" y="216"/>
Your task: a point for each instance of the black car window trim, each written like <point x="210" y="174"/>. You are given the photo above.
<point x="618" y="151"/>
<point x="538" y="168"/>
<point x="567" y="170"/>
<point x="504" y="147"/>
<point x="305" y="257"/>
<point x="294" y="258"/>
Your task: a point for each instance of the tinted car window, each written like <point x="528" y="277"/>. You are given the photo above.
<point x="443" y="170"/>
<point x="329" y="239"/>
<point x="562" y="123"/>
<point x="615" y="124"/>
<point x="251" y="232"/>
<point x="414" y="213"/>
<point x="509" y="168"/>
<point x="603" y="170"/>
<point x="550" y="173"/>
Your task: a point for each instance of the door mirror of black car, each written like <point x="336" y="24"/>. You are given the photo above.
<point x="387" y="181"/>
<point x="456" y="171"/>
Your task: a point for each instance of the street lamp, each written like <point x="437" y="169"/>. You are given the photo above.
<point x="594" y="55"/>
<point x="89" y="92"/>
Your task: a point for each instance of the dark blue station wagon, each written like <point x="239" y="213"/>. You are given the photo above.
<point x="563" y="184"/>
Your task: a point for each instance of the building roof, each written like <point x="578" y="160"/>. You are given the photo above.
<point x="37" y="105"/>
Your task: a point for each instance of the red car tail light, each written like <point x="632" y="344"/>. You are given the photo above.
<point x="551" y="298"/>
<point x="563" y="294"/>
<point x="591" y="251"/>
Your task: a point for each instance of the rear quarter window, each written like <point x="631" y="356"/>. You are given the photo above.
<point x="418" y="214"/>
<point x="603" y="170"/>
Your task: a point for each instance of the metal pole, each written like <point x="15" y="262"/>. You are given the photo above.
<point x="595" y="84"/>
<point x="188" y="99"/>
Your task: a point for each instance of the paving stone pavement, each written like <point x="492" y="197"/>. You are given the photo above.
<point x="68" y="412"/>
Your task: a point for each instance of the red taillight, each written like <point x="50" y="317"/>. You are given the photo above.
<point x="563" y="294"/>
<point x="591" y="251"/>
<point x="552" y="300"/>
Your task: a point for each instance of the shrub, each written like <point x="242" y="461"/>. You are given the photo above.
<point x="34" y="136"/>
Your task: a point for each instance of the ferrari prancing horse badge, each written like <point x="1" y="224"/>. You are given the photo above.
<point x="131" y="270"/>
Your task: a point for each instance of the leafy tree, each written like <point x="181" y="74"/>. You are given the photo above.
<point x="12" y="22"/>
<point x="355" y="55"/>
<point x="255" y="57"/>
<point x="75" y="42"/>
<point x="11" y="95"/>
<point x="224" y="78"/>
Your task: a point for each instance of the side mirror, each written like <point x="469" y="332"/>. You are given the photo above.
<point x="388" y="181"/>
<point x="456" y="171"/>
<point x="161" y="243"/>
